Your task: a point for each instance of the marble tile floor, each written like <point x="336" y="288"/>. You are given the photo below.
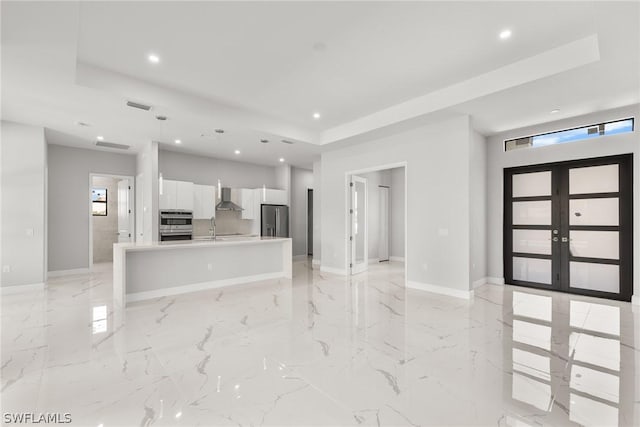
<point x="320" y="350"/>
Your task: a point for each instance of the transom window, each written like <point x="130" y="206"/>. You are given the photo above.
<point x="571" y="135"/>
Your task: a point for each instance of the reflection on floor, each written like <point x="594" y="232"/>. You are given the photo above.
<point x="320" y="350"/>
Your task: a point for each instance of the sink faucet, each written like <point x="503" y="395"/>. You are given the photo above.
<point x="212" y="229"/>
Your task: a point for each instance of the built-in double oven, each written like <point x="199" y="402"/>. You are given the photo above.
<point x="176" y="224"/>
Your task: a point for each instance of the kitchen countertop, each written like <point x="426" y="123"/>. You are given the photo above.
<point x="221" y="241"/>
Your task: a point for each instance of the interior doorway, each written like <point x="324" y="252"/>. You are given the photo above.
<point x="569" y="227"/>
<point x="111" y="215"/>
<point x="376" y="218"/>
<point x="310" y="221"/>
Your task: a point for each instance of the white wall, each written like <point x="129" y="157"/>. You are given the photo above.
<point x="437" y="159"/>
<point x="598" y="147"/>
<point x="207" y="170"/>
<point x="478" y="208"/>
<point x="301" y="181"/>
<point x="69" y="200"/>
<point x="147" y="171"/>
<point x="23" y="206"/>
<point x="396" y="214"/>
<point x="317" y="213"/>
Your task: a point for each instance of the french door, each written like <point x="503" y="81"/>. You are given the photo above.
<point x="569" y="226"/>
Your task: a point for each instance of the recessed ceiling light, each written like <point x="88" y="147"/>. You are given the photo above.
<point x="177" y="141"/>
<point x="556" y="111"/>
<point x="281" y="159"/>
<point x="100" y="138"/>
<point x="316" y="116"/>
<point x="505" y="34"/>
<point x="84" y="124"/>
<point x="237" y="151"/>
<point x="264" y="141"/>
<point x="153" y="58"/>
<point x="219" y="130"/>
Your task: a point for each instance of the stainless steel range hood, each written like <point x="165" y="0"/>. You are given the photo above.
<point x="225" y="203"/>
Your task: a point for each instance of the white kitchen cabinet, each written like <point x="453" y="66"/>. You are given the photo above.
<point x="245" y="198"/>
<point x="184" y="196"/>
<point x="275" y="197"/>
<point x="204" y="201"/>
<point x="176" y="195"/>
<point x="168" y="193"/>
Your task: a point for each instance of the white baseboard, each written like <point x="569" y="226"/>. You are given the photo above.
<point x="18" y="289"/>
<point x="176" y="290"/>
<point x="300" y="257"/>
<point x="315" y="262"/>
<point x="59" y="273"/>
<point x="374" y="260"/>
<point x="332" y="270"/>
<point x="479" y="282"/>
<point x="495" y="280"/>
<point x="635" y="300"/>
<point x="396" y="258"/>
<point x="443" y="290"/>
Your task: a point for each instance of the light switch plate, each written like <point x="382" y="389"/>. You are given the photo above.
<point x="6" y="269"/>
<point x="443" y="232"/>
<point x="29" y="232"/>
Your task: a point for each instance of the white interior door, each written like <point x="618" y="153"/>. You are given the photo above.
<point x="124" y="211"/>
<point x="358" y="235"/>
<point x="383" y="239"/>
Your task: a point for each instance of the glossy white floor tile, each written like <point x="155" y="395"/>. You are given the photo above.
<point x="320" y="350"/>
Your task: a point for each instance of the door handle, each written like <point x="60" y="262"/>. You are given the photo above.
<point x="555" y="239"/>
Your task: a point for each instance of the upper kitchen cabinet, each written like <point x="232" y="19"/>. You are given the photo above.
<point x="274" y="197"/>
<point x="176" y="195"/>
<point x="245" y="198"/>
<point x="204" y="201"/>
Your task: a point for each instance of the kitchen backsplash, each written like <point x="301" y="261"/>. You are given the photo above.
<point x="227" y="222"/>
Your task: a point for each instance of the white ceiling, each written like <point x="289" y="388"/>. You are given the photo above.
<point x="260" y="69"/>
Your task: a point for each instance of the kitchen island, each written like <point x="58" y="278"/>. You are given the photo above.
<point x="151" y="270"/>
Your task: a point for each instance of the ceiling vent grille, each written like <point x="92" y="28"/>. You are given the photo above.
<point x="138" y="105"/>
<point x="112" y="145"/>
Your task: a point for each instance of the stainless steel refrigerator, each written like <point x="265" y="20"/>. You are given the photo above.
<point x="275" y="221"/>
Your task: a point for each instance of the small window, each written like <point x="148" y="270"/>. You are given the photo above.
<point x="570" y="135"/>
<point x="99" y="201"/>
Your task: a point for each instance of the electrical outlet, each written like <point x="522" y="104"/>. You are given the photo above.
<point x="210" y="267"/>
<point x="6" y="269"/>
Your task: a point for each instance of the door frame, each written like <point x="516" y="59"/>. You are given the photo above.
<point x="347" y="219"/>
<point x="352" y="242"/>
<point x="132" y="216"/>
<point x="626" y="226"/>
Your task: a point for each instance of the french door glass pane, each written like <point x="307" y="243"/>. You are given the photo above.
<point x="595" y="244"/>
<point x="532" y="184"/>
<point x="594" y="179"/>
<point x="532" y="213"/>
<point x="532" y="241"/>
<point x="594" y="211"/>
<point x="532" y="270"/>
<point x="596" y="277"/>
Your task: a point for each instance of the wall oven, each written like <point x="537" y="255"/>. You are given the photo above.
<point x="176" y="224"/>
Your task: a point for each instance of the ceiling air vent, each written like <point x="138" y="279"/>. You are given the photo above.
<point x="138" y="105"/>
<point x="286" y="141"/>
<point x="112" y="145"/>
